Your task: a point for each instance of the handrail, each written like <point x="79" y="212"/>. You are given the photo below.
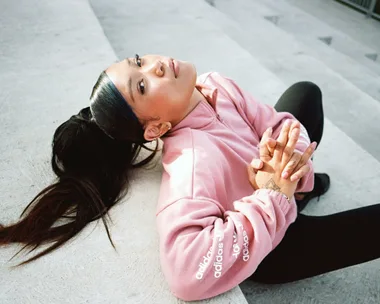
<point x="371" y="8"/>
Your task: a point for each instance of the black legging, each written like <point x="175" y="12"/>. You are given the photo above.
<point x="315" y="245"/>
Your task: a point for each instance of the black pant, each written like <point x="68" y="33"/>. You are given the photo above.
<point x="304" y="101"/>
<point x="315" y="245"/>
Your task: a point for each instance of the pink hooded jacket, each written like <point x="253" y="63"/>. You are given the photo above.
<point x="214" y="228"/>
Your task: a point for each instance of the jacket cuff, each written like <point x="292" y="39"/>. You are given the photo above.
<point x="276" y="198"/>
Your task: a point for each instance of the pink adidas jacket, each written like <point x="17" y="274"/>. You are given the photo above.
<point x="214" y="228"/>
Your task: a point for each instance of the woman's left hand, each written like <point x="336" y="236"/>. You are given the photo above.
<point x="296" y="167"/>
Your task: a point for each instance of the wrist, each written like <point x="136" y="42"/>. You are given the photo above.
<point x="271" y="185"/>
<point x="286" y="197"/>
<point x="280" y="193"/>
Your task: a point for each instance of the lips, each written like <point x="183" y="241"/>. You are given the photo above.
<point x="176" y="68"/>
<point x="172" y="67"/>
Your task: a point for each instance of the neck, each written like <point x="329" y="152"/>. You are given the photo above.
<point x="195" y="99"/>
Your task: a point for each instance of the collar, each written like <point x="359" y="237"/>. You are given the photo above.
<point x="203" y="113"/>
<point x="209" y="93"/>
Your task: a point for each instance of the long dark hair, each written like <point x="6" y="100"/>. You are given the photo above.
<point x="94" y="154"/>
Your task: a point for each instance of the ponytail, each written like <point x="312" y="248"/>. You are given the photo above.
<point x="93" y="173"/>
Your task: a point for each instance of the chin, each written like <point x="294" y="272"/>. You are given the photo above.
<point x="195" y="71"/>
<point x="188" y="68"/>
<point x="192" y="72"/>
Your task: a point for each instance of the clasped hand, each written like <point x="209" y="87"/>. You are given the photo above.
<point x="280" y="167"/>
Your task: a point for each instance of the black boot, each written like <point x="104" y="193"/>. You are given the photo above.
<point x="321" y="185"/>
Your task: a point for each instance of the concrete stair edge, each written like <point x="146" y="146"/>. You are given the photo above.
<point x="345" y="65"/>
<point x="285" y="9"/>
<point x="339" y="12"/>
<point x="240" y="33"/>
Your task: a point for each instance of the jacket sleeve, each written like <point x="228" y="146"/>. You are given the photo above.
<point x="206" y="250"/>
<point x="261" y="117"/>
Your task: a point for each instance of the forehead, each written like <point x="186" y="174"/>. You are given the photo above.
<point x="119" y="73"/>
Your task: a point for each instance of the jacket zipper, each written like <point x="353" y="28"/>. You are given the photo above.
<point x="219" y="118"/>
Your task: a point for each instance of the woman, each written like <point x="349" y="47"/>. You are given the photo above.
<point x="215" y="230"/>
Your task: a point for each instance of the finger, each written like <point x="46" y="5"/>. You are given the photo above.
<point x="295" y="124"/>
<point x="265" y="145"/>
<point x="266" y="149"/>
<point x="257" y="164"/>
<point x="291" y="165"/>
<point x="265" y="154"/>
<point x="267" y="134"/>
<point x="271" y="143"/>
<point x="282" y="140"/>
<point x="291" y="144"/>
<point x="306" y="155"/>
<point x="300" y="173"/>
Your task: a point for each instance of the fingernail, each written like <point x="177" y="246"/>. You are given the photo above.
<point x="271" y="142"/>
<point x="314" y="145"/>
<point x="285" y="175"/>
<point x="270" y="131"/>
<point x="257" y="163"/>
<point x="294" y="178"/>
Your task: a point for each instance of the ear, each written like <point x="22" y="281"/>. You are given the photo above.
<point x="154" y="130"/>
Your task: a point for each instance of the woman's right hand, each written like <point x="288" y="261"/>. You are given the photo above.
<point x="269" y="177"/>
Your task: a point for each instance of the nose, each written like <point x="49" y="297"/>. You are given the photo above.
<point x="157" y="68"/>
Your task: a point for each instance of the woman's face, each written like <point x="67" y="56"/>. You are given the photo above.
<point x="156" y="87"/>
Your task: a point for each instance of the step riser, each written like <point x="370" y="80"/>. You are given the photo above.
<point x="338" y="16"/>
<point x="345" y="104"/>
<point x="331" y="46"/>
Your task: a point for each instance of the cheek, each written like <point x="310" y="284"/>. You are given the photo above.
<point x="164" y="92"/>
<point x="173" y="96"/>
<point x="158" y="102"/>
<point x="159" y="94"/>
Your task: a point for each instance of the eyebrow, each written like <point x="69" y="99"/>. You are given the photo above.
<point x="130" y="83"/>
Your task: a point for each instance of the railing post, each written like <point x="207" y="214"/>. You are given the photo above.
<point x="371" y="8"/>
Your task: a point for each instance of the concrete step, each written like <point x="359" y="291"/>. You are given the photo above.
<point x="306" y="26"/>
<point x="315" y="36"/>
<point x="345" y="104"/>
<point x="350" y="21"/>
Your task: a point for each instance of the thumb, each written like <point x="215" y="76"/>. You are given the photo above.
<point x="256" y="164"/>
<point x="252" y="177"/>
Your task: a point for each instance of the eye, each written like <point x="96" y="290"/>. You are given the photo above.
<point x="141" y="87"/>
<point x="138" y="60"/>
